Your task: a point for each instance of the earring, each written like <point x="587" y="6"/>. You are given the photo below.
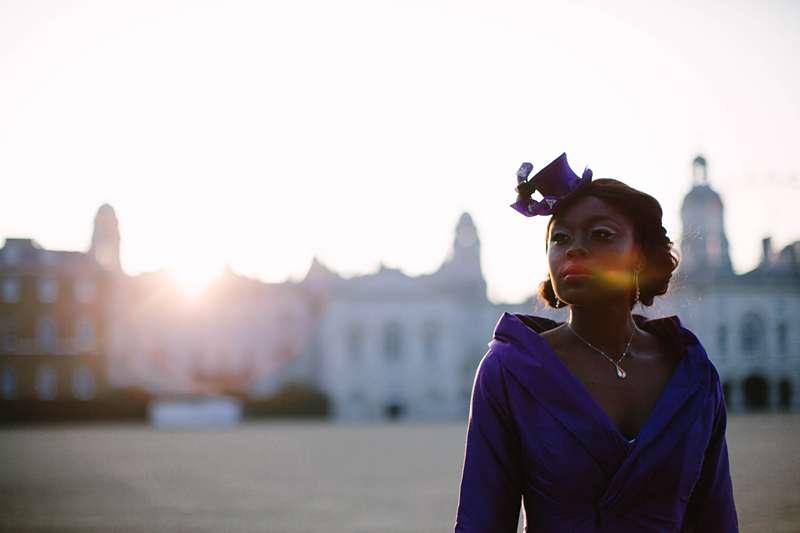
<point x="559" y="303"/>
<point x="636" y="282"/>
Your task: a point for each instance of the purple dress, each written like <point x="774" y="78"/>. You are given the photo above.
<point x="537" y="438"/>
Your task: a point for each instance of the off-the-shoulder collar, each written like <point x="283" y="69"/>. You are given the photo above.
<point x="531" y="362"/>
<point x="668" y="328"/>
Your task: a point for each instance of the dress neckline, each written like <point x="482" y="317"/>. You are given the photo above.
<point x="667" y="328"/>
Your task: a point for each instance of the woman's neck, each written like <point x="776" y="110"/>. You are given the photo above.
<point x="606" y="327"/>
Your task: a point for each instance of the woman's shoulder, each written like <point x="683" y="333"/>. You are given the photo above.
<point x="672" y="331"/>
<point x="539" y="324"/>
<point x="683" y="338"/>
<point x="668" y="325"/>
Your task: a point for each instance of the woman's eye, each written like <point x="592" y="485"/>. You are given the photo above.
<point x="558" y="238"/>
<point x="603" y="234"/>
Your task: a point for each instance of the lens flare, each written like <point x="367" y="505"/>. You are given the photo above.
<point x="619" y="279"/>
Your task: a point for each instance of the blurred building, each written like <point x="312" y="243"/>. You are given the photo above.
<point x="382" y="345"/>
<point x="54" y="319"/>
<point x="749" y="323"/>
<point x="390" y="345"/>
<point x="240" y="336"/>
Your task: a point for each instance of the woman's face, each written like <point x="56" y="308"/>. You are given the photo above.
<point x="591" y="251"/>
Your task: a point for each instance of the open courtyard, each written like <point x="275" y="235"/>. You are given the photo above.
<point x="293" y="477"/>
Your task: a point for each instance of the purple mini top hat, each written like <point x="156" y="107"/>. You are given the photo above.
<point x="554" y="182"/>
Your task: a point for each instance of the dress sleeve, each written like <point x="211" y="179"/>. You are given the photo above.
<point x="711" y="508"/>
<point x="490" y="494"/>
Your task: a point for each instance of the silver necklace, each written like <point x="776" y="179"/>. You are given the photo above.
<point x="620" y="372"/>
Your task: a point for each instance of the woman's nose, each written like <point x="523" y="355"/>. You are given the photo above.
<point x="576" y="249"/>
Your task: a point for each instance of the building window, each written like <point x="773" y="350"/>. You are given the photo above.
<point x="753" y="337"/>
<point x="8" y="334"/>
<point x="431" y="339"/>
<point x="48" y="290"/>
<point x="84" y="290"/>
<point x="83" y="383"/>
<point x="357" y="396"/>
<point x="8" y="383"/>
<point x="46" y="334"/>
<point x="11" y="290"/>
<point x="392" y="340"/>
<point x="783" y="338"/>
<point x="355" y="341"/>
<point x="84" y="334"/>
<point x="722" y="339"/>
<point x="46" y="383"/>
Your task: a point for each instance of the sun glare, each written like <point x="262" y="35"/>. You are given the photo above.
<point x="192" y="278"/>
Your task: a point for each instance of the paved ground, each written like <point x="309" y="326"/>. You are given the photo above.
<point x="290" y="477"/>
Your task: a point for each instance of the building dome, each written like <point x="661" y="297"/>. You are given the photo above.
<point x="704" y="245"/>
<point x="702" y="195"/>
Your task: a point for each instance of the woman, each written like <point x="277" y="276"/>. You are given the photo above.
<point x="608" y="421"/>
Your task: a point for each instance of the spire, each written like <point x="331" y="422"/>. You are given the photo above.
<point x="462" y="268"/>
<point x="105" y="238"/>
<point x="700" y="170"/>
<point x="466" y="236"/>
<point x="704" y="245"/>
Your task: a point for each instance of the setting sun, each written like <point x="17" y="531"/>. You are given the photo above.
<point x="193" y="276"/>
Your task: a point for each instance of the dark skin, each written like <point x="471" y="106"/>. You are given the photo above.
<point x="592" y="234"/>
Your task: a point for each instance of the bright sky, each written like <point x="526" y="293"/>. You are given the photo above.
<point x="260" y="134"/>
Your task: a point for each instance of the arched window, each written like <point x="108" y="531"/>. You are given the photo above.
<point x="785" y="394"/>
<point x="84" y="334"/>
<point x="756" y="392"/>
<point x="11" y="290"/>
<point x="355" y="341"/>
<point x="8" y="383"/>
<point x="753" y="334"/>
<point x="46" y="334"/>
<point x="46" y="382"/>
<point x="722" y="339"/>
<point x="48" y="290"/>
<point x="431" y="339"/>
<point x="392" y="340"/>
<point x="783" y="338"/>
<point x="83" y="383"/>
<point x="8" y="334"/>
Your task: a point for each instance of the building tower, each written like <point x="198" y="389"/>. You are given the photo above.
<point x="462" y="268"/>
<point x="105" y="239"/>
<point x="465" y="255"/>
<point x="704" y="245"/>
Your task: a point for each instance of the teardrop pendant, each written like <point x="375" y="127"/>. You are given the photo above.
<point x="620" y="372"/>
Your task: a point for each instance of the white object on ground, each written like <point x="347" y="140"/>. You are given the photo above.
<point x="197" y="411"/>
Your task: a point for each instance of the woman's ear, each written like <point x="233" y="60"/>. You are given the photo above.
<point x="641" y="259"/>
<point x="643" y="263"/>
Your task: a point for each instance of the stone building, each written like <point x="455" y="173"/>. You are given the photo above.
<point x="389" y="345"/>
<point x="54" y="318"/>
<point x="750" y="322"/>
<point x="382" y="345"/>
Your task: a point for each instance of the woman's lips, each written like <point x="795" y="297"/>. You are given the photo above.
<point x="575" y="272"/>
<point x="575" y="275"/>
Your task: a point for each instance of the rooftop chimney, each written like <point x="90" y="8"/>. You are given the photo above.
<point x="766" y="251"/>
